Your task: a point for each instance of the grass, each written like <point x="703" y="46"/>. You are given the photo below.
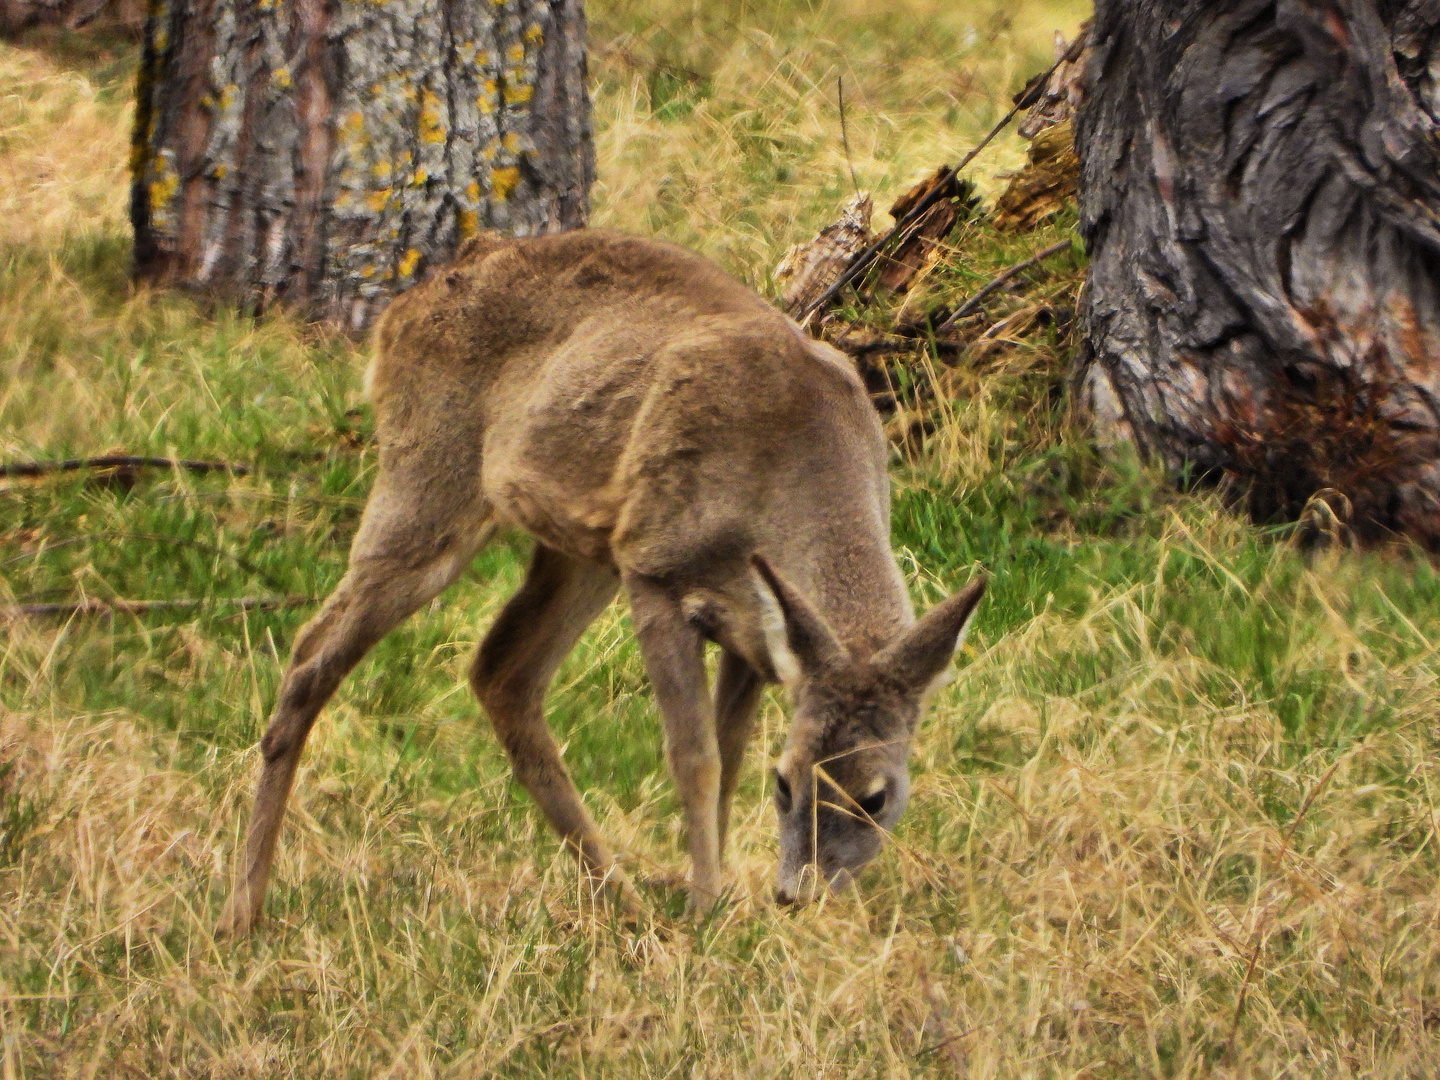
<point x="1176" y="818"/>
<point x="718" y="124"/>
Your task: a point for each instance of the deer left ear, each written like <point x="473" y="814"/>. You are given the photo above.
<point x="799" y="642"/>
<point x="920" y="658"/>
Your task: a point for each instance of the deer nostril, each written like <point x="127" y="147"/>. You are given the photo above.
<point x="782" y="793"/>
<point x="783" y="897"/>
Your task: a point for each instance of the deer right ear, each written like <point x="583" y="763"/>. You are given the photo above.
<point x="920" y="659"/>
<point x="799" y="642"/>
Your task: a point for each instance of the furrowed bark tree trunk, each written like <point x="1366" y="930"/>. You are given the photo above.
<point x="327" y="153"/>
<point x="1261" y="200"/>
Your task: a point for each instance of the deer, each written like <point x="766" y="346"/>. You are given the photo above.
<point x="658" y="429"/>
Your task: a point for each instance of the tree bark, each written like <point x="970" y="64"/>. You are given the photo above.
<point x="1261" y="199"/>
<point x="328" y="153"/>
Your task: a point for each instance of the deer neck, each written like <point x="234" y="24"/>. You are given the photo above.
<point x="854" y="583"/>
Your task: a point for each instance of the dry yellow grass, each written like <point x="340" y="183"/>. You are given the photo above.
<point x="63" y="152"/>
<point x="1114" y="896"/>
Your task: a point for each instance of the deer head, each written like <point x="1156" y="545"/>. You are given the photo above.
<point x="842" y="781"/>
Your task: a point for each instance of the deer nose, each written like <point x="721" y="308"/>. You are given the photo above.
<point x="801" y="888"/>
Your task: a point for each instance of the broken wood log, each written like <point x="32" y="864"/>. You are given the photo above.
<point x="1042" y="189"/>
<point x="949" y="201"/>
<point x="808" y="269"/>
<point x="1056" y="94"/>
<point x="863" y="261"/>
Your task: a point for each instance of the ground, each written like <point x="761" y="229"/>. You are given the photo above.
<point x="1175" y="817"/>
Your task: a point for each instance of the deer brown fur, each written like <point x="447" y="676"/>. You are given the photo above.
<point x="656" y="427"/>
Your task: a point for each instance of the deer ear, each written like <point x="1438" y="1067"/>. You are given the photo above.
<point x="799" y="642"/>
<point x="920" y="658"/>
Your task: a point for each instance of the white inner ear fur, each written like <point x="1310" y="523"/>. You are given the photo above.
<point x="947" y="673"/>
<point x="367" y="383"/>
<point x="772" y="625"/>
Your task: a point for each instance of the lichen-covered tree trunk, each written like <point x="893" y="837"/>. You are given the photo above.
<point x="1261" y="199"/>
<point x="327" y="153"/>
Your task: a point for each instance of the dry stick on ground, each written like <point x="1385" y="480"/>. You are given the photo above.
<point x="120" y="461"/>
<point x="1260" y="929"/>
<point x="844" y="134"/>
<point x="950" y="1040"/>
<point x="145" y="607"/>
<point x="175" y="541"/>
<point x="973" y="304"/>
<point x="866" y="257"/>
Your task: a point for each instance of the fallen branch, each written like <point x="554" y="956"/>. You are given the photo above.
<point x="1265" y="914"/>
<point x="145" y="607"/>
<point x="120" y="461"/>
<point x="950" y="1040"/>
<point x="866" y="257"/>
<point x="865" y="343"/>
<point x="917" y="246"/>
<point x="973" y="304"/>
<point x="174" y="541"/>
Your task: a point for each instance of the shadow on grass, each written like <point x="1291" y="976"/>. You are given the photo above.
<point x="105" y="54"/>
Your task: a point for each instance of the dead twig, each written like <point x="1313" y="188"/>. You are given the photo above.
<point x="145" y="607"/>
<point x="973" y="304"/>
<point x="950" y="1040"/>
<point x="845" y="134"/>
<point x="173" y="541"/>
<point x="1260" y="929"/>
<point x="45" y="549"/>
<point x="866" y="257"/>
<point x="865" y="343"/>
<point x="120" y="461"/>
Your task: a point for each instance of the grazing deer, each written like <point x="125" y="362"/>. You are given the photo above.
<point x="655" y="426"/>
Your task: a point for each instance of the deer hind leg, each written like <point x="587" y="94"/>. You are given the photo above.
<point x="673" y="649"/>
<point x="518" y="659"/>
<point x="737" y="699"/>
<point x="409" y="547"/>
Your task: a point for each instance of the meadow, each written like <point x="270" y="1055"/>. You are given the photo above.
<point x="1173" y="819"/>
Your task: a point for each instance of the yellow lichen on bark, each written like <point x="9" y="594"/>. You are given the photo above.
<point x="503" y="181"/>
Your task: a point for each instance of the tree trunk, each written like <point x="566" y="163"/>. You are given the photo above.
<point x="328" y="154"/>
<point x="1261" y="200"/>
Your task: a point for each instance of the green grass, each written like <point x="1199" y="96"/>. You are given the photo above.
<point x="1175" y="818"/>
<point x="718" y="125"/>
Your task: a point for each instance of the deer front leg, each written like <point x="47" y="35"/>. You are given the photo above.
<point x="737" y="699"/>
<point x="674" y="658"/>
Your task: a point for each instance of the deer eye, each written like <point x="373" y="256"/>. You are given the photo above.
<point x="873" y="804"/>
<point x="782" y="793"/>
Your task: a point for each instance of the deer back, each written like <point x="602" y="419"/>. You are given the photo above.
<point x="636" y="406"/>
